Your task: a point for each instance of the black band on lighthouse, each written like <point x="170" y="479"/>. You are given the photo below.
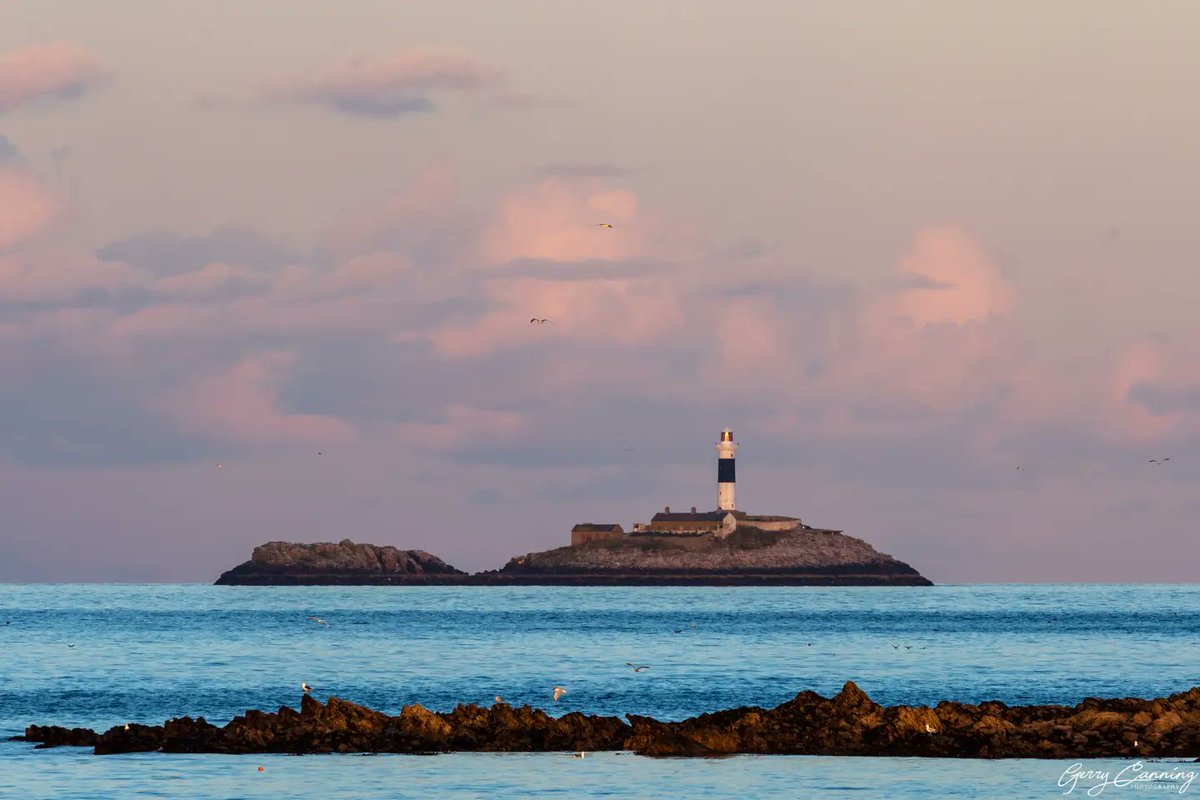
<point x="725" y="470"/>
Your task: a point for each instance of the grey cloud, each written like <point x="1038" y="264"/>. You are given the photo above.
<point x="387" y="87"/>
<point x="69" y="415"/>
<point x="9" y="154"/>
<point x="1163" y="400"/>
<point x="582" y="270"/>
<point x="166" y="253"/>
<point x="378" y="106"/>
<point x="799" y="291"/>
<point x="584" y="170"/>
<point x="914" y="281"/>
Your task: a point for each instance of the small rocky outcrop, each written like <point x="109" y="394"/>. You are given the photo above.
<point x="849" y="723"/>
<point x="346" y="562"/>
<point x="748" y="556"/>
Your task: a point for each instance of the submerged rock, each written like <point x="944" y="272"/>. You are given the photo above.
<point x="849" y="723"/>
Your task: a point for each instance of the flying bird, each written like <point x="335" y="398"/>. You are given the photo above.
<point x="1158" y="461"/>
<point x="539" y="321"/>
<point x="558" y="692"/>
<point x="318" y="620"/>
<point x="636" y="667"/>
<point x="603" y="225"/>
<point x="305" y="687"/>
<point x="220" y="466"/>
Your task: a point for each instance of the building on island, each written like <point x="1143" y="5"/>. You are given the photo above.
<point x="719" y="523"/>
<point x="586" y="532"/>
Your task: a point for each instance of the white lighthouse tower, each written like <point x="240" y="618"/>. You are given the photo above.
<point x="726" y="448"/>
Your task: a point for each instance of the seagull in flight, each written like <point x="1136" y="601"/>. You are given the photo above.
<point x="603" y="225"/>
<point x="305" y="687"/>
<point x="534" y="320"/>
<point x="636" y="667"/>
<point x="1160" y="462"/>
<point x="318" y="620"/>
<point x="558" y="692"/>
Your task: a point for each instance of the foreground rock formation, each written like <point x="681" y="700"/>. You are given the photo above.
<point x="849" y="723"/>
<point x="748" y="556"/>
<point x="285" y="563"/>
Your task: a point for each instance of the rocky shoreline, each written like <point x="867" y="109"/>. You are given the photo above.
<point x="847" y="724"/>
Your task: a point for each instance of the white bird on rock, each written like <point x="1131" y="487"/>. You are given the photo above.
<point x="305" y="687"/>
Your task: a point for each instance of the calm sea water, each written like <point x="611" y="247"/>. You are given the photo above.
<point x="149" y="652"/>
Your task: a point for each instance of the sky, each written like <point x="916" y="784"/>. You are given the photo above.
<point x="934" y="263"/>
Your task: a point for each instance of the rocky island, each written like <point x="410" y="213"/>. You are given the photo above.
<point x="724" y="547"/>
<point x="847" y="724"/>
<point x="746" y="557"/>
<point x="344" y="563"/>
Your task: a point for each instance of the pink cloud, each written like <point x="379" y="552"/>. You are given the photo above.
<point x="964" y="285"/>
<point x="1157" y="366"/>
<point x="360" y="274"/>
<point x="28" y="208"/>
<point x="241" y="405"/>
<point x="752" y="346"/>
<point x="463" y="425"/>
<point x="56" y="69"/>
<point x="428" y="206"/>
<point x="48" y="276"/>
<point x="387" y="86"/>
<point x="557" y="221"/>
<point x="619" y="311"/>
<point x="204" y="282"/>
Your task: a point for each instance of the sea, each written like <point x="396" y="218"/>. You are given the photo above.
<point x="102" y="655"/>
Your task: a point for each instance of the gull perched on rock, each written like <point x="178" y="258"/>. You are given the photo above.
<point x="558" y="692"/>
<point x="305" y="687"/>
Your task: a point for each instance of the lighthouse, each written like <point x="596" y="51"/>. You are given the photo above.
<point x="726" y="448"/>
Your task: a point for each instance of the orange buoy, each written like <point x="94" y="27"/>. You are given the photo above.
<point x="260" y="769"/>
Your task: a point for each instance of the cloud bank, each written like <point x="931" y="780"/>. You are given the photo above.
<point x="51" y="71"/>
